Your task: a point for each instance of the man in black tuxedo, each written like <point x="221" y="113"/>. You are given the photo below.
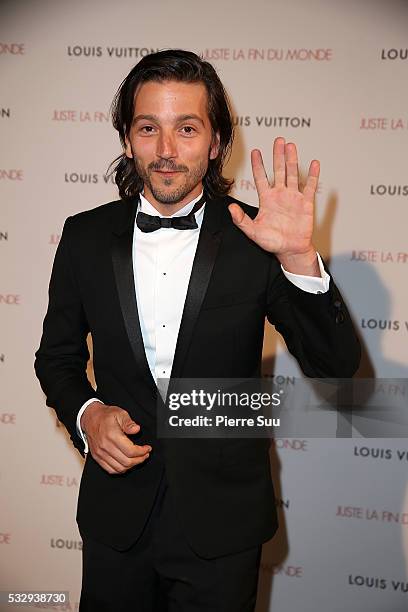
<point x="178" y="524"/>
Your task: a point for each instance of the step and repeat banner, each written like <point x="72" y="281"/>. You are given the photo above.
<point x="329" y="76"/>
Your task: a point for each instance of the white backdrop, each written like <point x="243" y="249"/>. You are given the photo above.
<point x="330" y="76"/>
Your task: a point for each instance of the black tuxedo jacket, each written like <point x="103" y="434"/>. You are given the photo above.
<point x="222" y="488"/>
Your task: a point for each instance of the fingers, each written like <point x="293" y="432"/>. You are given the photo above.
<point x="114" y="467"/>
<point x="279" y="167"/>
<point x="129" y="426"/>
<point x="110" y="465"/>
<point x="292" y="174"/>
<point x="109" y="444"/>
<point x="285" y="169"/>
<point x="242" y="220"/>
<point x="120" y="448"/>
<point x="258" y="171"/>
<point x="312" y="181"/>
<point x="116" y="462"/>
<point x="118" y="435"/>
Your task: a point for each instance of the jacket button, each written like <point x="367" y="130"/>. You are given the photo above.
<point x="337" y="303"/>
<point x="339" y="317"/>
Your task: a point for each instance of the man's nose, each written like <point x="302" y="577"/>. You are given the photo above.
<point x="166" y="146"/>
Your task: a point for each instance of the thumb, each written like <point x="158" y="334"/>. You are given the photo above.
<point x="128" y="425"/>
<point x="241" y="220"/>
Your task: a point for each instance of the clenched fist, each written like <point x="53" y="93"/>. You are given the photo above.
<point x="106" y="428"/>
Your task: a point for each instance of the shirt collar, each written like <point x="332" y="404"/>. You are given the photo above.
<point x="147" y="208"/>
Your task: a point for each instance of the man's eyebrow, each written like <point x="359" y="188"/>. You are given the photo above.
<point x="145" y="117"/>
<point x="156" y="119"/>
<point x="188" y="117"/>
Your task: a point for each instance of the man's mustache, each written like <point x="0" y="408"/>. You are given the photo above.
<point x="169" y="165"/>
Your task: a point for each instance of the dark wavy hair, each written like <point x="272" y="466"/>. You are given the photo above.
<point x="173" y="65"/>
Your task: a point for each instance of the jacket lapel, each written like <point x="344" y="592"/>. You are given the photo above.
<point x="122" y="244"/>
<point x="206" y="253"/>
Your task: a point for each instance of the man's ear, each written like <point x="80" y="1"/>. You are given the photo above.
<point x="215" y="146"/>
<point x="128" y="148"/>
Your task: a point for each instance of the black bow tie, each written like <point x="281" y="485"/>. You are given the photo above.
<point x="151" y="223"/>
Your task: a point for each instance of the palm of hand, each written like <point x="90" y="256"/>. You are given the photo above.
<point x="284" y="223"/>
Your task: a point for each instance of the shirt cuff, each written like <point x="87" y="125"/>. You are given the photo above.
<point x="310" y="284"/>
<point x="81" y="433"/>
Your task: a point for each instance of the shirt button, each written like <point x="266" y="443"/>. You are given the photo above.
<point x="319" y="291"/>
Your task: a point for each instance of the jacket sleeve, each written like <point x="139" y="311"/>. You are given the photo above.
<point x="317" y="328"/>
<point x="61" y="359"/>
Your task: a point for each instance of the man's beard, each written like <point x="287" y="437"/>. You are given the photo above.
<point x="192" y="177"/>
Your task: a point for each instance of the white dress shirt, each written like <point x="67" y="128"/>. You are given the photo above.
<point x="162" y="263"/>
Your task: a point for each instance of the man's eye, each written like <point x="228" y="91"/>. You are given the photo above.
<point x="147" y="129"/>
<point x="188" y="129"/>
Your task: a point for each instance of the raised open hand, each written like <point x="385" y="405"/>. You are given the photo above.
<point x="284" y="223"/>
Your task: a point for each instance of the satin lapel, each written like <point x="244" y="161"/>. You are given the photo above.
<point x="206" y="253"/>
<point x="122" y="243"/>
